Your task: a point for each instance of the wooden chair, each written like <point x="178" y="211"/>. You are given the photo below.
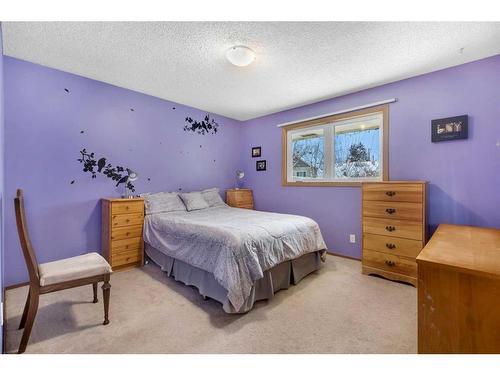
<point x="59" y="275"/>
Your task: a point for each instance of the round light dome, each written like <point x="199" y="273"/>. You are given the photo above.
<point x="240" y="55"/>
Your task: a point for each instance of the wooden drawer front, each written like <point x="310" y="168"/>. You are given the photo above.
<point x="126" y="219"/>
<point x="126" y="245"/>
<point x="396" y="210"/>
<point x="394" y="228"/>
<point x="393" y="192"/>
<point x="126" y="257"/>
<point x="241" y="199"/>
<point x="389" y="262"/>
<point x="118" y="208"/>
<point x="250" y="207"/>
<point x="392" y="245"/>
<point x="121" y="233"/>
<point x="244" y="199"/>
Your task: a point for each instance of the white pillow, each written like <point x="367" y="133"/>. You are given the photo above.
<point x="194" y="201"/>
<point x="163" y="202"/>
<point x="212" y="197"/>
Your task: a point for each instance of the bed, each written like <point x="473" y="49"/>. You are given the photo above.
<point x="232" y="255"/>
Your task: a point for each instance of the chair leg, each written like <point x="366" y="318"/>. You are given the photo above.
<point x="105" y="292"/>
<point x="30" y="319"/>
<point x="94" y="287"/>
<point x="25" y="311"/>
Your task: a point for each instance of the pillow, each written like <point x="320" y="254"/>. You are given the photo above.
<point x="212" y="197"/>
<point x="194" y="201"/>
<point x="163" y="202"/>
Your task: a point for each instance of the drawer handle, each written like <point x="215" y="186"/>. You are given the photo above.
<point x="390" y="211"/>
<point x="390" y="245"/>
<point x="390" y="193"/>
<point x="390" y="263"/>
<point x="127" y="221"/>
<point x="390" y="228"/>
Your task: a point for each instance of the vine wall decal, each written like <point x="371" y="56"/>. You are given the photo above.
<point x="93" y="166"/>
<point x="206" y="126"/>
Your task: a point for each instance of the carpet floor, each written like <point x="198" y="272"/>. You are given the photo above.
<point x="335" y="310"/>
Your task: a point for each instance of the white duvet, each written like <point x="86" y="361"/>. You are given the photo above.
<point x="235" y="245"/>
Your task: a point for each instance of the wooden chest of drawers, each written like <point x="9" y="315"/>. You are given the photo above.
<point x="459" y="291"/>
<point x="240" y="198"/>
<point x="394" y="228"/>
<point x="121" y="236"/>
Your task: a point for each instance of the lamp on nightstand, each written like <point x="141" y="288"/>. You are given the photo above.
<point x="132" y="176"/>
<point x="239" y="178"/>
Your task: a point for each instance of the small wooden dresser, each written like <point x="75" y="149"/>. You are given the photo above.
<point x="459" y="291"/>
<point x="241" y="198"/>
<point x="121" y="236"/>
<point x="394" y="228"/>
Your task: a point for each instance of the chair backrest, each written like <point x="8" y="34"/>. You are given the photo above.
<point x="22" y="230"/>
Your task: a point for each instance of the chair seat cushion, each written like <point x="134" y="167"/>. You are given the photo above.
<point x="79" y="267"/>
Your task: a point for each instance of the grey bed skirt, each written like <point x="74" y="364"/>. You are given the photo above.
<point x="276" y="278"/>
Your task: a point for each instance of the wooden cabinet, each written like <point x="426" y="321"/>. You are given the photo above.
<point x="241" y="198"/>
<point x="459" y="291"/>
<point x="394" y="228"/>
<point x="121" y="235"/>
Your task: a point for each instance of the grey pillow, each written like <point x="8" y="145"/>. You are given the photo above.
<point x="194" y="201"/>
<point x="212" y="197"/>
<point x="163" y="202"/>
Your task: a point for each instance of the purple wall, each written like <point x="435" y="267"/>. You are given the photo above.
<point x="463" y="176"/>
<point x="43" y="140"/>
<point x="42" y="133"/>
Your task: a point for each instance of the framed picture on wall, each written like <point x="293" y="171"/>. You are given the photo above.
<point x="256" y="152"/>
<point x="450" y="128"/>
<point x="260" y="165"/>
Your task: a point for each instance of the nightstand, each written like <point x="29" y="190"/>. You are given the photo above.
<point x="121" y="233"/>
<point x="240" y="198"/>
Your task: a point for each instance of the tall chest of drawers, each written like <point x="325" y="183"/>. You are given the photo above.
<point x="394" y="228"/>
<point x="121" y="234"/>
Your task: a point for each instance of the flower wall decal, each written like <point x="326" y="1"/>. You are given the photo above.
<point x="93" y="166"/>
<point x="206" y="126"/>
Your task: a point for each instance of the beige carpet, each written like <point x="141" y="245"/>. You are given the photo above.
<point x="336" y="310"/>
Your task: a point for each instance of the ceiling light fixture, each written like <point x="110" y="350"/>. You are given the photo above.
<point x="240" y="55"/>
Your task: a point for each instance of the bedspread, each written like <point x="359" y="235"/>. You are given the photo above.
<point x="235" y="245"/>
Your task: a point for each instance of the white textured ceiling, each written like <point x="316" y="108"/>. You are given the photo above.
<point x="297" y="62"/>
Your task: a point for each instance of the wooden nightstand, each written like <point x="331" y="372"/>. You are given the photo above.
<point x="121" y="234"/>
<point x="240" y="198"/>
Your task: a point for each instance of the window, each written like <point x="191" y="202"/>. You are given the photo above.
<point x="344" y="149"/>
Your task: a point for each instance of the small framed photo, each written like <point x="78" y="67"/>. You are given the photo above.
<point x="256" y="152"/>
<point x="260" y="165"/>
<point x="450" y="128"/>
